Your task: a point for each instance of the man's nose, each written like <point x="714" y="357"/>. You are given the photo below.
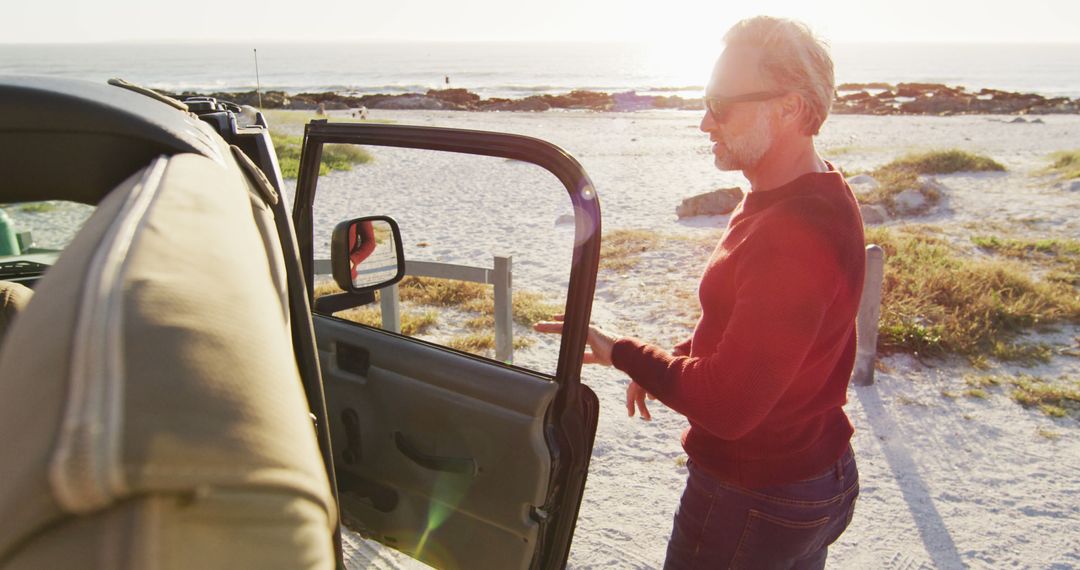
<point x="708" y="122"/>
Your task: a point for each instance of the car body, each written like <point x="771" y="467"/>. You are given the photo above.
<point x="457" y="460"/>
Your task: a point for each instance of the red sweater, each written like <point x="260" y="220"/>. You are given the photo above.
<point x="769" y="362"/>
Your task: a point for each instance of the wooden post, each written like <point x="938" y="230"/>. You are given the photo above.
<point x="866" y="324"/>
<point x="391" y="308"/>
<point x="504" y="310"/>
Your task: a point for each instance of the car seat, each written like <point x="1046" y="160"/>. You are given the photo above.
<point x="150" y="399"/>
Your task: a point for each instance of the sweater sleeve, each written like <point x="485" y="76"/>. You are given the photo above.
<point x="781" y="300"/>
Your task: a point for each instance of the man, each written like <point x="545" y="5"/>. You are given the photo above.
<point x="772" y="481"/>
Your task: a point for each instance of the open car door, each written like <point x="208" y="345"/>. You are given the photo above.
<point x="457" y="460"/>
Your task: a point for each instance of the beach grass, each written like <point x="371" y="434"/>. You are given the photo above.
<point x="412" y="322"/>
<point x="38" y="207"/>
<point x="621" y="250"/>
<point x="982" y="380"/>
<point x="334" y="156"/>
<point x="442" y="292"/>
<point x="903" y="174"/>
<point x="482" y="343"/>
<point x="1055" y="399"/>
<point x="1066" y="163"/>
<point x="530" y="308"/>
<point x="527" y="307"/>
<point x="837" y="151"/>
<point x="976" y="393"/>
<point x="937" y="301"/>
<point x="327" y="287"/>
<point x="1048" y="433"/>
<point x="1060" y="257"/>
<point x="946" y="162"/>
<point x="480" y="323"/>
<point x="287" y="118"/>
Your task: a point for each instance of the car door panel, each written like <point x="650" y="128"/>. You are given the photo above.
<point x="457" y="460"/>
<point x="409" y="435"/>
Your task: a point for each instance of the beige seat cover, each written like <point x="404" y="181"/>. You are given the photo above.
<point x="150" y="401"/>
<point x="13" y="299"/>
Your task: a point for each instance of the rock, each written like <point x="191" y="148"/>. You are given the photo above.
<point x="863" y="180"/>
<point x="1019" y="120"/>
<point x="301" y="104"/>
<point x="923" y="87"/>
<point x="631" y="101"/>
<point x="910" y="201"/>
<point x="713" y="203"/>
<point x="873" y="214"/>
<point x="564" y="220"/>
<point x="580" y="99"/>
<point x="856" y="96"/>
<point x="1074" y="186"/>
<point x="676" y="102"/>
<point x="456" y="98"/>
<point x="409" y="101"/>
<point x="534" y="103"/>
<point x="861" y="86"/>
<point x="1036" y="121"/>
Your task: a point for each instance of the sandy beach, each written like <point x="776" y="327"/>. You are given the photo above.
<point x="946" y="482"/>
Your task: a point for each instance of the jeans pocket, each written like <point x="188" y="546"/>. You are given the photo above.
<point x="769" y="541"/>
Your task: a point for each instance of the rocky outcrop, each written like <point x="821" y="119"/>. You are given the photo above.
<point x="455" y="98"/>
<point x="855" y="98"/>
<point x="535" y="103"/>
<point x="715" y="203"/>
<point x="938" y="99"/>
<point x="410" y="101"/>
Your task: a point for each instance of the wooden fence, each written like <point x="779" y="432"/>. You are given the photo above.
<point x="500" y="276"/>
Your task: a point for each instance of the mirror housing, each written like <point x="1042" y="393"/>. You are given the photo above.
<point x="366" y="254"/>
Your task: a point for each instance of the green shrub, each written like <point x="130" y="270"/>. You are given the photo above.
<point x="903" y="174"/>
<point x="934" y="300"/>
<point x="1053" y="399"/>
<point x="37" y="207"/>
<point x="1066" y="163"/>
<point x="334" y="156"/>
<point x="946" y="162"/>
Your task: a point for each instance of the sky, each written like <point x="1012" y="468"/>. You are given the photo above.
<point x="677" y="22"/>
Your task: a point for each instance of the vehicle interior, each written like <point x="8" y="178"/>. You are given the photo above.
<point x="156" y="417"/>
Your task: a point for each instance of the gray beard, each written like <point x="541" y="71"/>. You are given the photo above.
<point x="745" y="152"/>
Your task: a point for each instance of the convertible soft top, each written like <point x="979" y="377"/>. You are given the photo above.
<point x="68" y="139"/>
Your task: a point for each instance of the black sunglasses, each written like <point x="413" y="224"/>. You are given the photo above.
<point x="718" y="106"/>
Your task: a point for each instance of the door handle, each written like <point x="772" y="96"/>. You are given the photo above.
<point x="462" y="465"/>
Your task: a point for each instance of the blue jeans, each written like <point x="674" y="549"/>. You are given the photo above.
<point x="719" y="525"/>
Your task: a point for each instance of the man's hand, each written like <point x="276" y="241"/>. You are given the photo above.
<point x="635" y="397"/>
<point x="600" y="341"/>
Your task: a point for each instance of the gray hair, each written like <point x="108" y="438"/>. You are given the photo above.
<point x="792" y="58"/>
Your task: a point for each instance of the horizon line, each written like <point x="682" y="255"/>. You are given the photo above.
<point x="230" y="41"/>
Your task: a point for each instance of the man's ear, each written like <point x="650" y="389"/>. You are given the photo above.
<point x="792" y="109"/>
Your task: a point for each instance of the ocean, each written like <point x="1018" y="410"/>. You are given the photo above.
<point x="522" y="69"/>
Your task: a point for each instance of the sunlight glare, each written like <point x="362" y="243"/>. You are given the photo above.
<point x="687" y="63"/>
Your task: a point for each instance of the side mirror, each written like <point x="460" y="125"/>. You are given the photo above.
<point x="366" y="254"/>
